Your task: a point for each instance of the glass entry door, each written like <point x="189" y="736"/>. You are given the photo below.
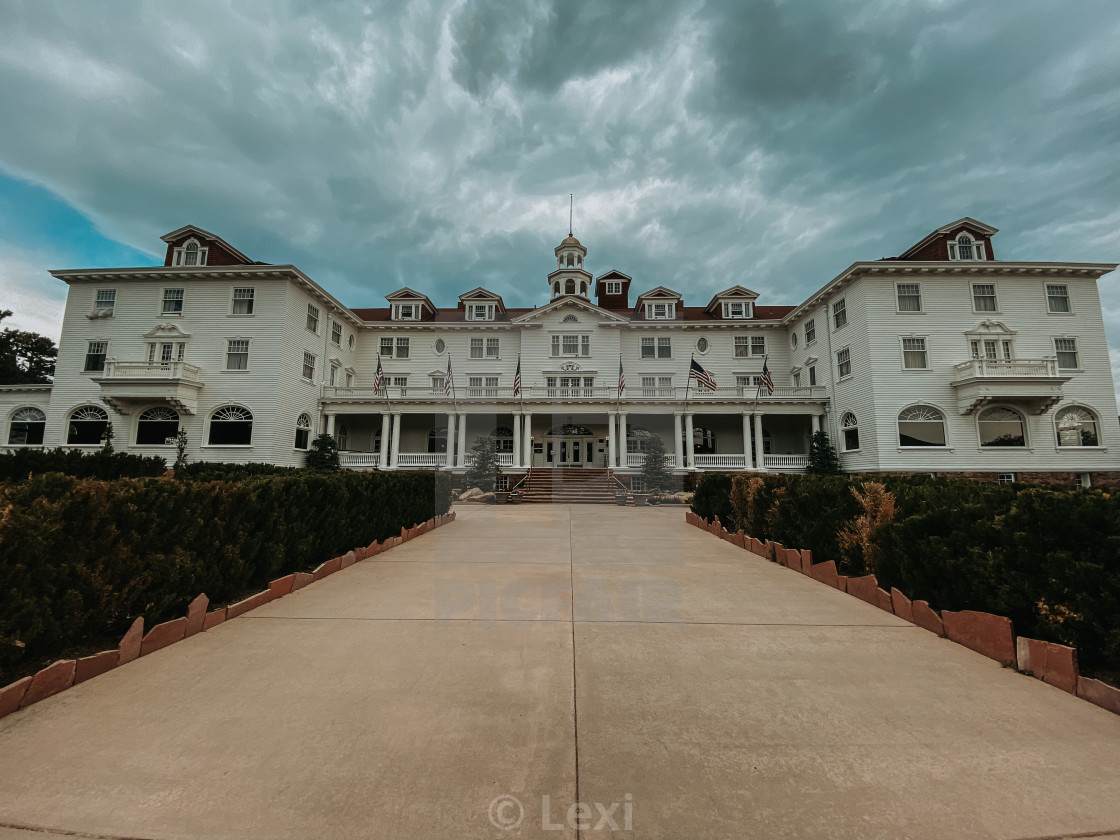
<point x="569" y="451"/>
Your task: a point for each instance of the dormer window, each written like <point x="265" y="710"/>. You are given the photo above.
<point x="964" y="247"/>
<point x="613" y="287"/>
<point x="406" y="312"/>
<point x="660" y="311"/>
<point x="736" y="309"/>
<point x="480" y="312"/>
<point x="191" y="253"/>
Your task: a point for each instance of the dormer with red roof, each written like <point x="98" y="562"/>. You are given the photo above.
<point x="736" y="303"/>
<point x="660" y="304"/>
<point x="409" y="305"/>
<point x="481" y="305"/>
<point x="612" y="290"/>
<point x="193" y="246"/>
<point x="963" y="240"/>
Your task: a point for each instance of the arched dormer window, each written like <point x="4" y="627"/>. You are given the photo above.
<point x="191" y="253"/>
<point x="964" y="247"/>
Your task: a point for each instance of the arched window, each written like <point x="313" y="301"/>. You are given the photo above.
<point x="1076" y="427"/>
<point x="921" y="425"/>
<point x="156" y="425"/>
<point x="571" y="260"/>
<point x="503" y="438"/>
<point x="87" y="426"/>
<point x="231" y="425"/>
<point x="849" y="432"/>
<point x="703" y="441"/>
<point x="569" y="319"/>
<point x="342" y="437"/>
<point x="27" y="427"/>
<point x="964" y="247"/>
<point x="556" y="288"/>
<point x="303" y="431"/>
<point x="583" y="288"/>
<point x="437" y="439"/>
<point x="1001" y="427"/>
<point x="570" y="287"/>
<point x="637" y="439"/>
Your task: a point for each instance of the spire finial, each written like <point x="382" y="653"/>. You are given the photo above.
<point x="571" y="204"/>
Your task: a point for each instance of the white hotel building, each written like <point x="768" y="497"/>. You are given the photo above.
<point x="941" y="360"/>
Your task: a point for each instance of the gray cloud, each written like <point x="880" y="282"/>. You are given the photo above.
<point x="708" y="143"/>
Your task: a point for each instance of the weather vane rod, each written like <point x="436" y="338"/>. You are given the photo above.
<point x="571" y="203"/>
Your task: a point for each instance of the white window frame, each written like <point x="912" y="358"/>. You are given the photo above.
<point x="169" y="297"/>
<point x="407" y="311"/>
<point x="310" y="360"/>
<point x="977" y="246"/>
<point x="401" y="347"/>
<point x="847" y="360"/>
<point x="736" y="309"/>
<point x="480" y="311"/>
<point x="1068" y="298"/>
<point x="235" y="298"/>
<point x="493" y="347"/>
<point x="810" y="331"/>
<point x="612" y="287"/>
<point x="839" y="314"/>
<point x="336" y="333"/>
<point x="104" y="354"/>
<point x="312" y="322"/>
<point x="898" y="295"/>
<point x="1078" y="447"/>
<point x="105" y="300"/>
<point x="477" y="348"/>
<point x="741" y="347"/>
<point x="303" y="425"/>
<point x="1076" y="351"/>
<point x="853" y="427"/>
<point x="180" y="253"/>
<point x="994" y="297"/>
<point x="757" y="342"/>
<point x="661" y="311"/>
<point x="924" y="350"/>
<point x="231" y="352"/>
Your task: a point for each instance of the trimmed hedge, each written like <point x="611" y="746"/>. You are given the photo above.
<point x="80" y="559"/>
<point x="220" y="471"/>
<point x="1047" y="559"/>
<point x="19" y="464"/>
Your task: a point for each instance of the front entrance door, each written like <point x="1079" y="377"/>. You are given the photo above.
<point x="569" y="451"/>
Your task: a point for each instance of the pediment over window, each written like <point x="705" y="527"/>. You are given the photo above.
<point x="575" y="303"/>
<point x="167" y="331"/>
<point x="410" y="305"/>
<point x="990" y="327"/>
<point x="192" y="246"/>
<point x="734" y="294"/>
<point x="661" y="293"/>
<point x="964" y="239"/>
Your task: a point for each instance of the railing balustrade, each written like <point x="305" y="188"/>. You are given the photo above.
<point x="505" y="459"/>
<point x="356" y="460"/>
<point x="151" y="370"/>
<point x="785" y="462"/>
<point x="637" y="459"/>
<point x="817" y="393"/>
<point x="421" y="459"/>
<point x="735" y="462"/>
<point x="996" y="368"/>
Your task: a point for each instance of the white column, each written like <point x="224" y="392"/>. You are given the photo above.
<point x="384" y="457"/>
<point x="517" y="450"/>
<point x="759" y="459"/>
<point x="816" y="423"/>
<point x="462" y="456"/>
<point x="330" y="425"/>
<point x="689" y="444"/>
<point x="450" y="439"/>
<point x="622" y="437"/>
<point x="612" y="442"/>
<point x="396" y="450"/>
<point x="678" y="446"/>
<point x="527" y="439"/>
<point x="747" y="440"/>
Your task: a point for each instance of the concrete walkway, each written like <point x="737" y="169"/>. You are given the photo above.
<point x="700" y="692"/>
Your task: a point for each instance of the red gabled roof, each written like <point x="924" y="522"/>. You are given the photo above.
<point x="688" y="313"/>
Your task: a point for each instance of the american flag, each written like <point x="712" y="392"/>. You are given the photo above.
<point x="447" y="379"/>
<point x="701" y="376"/>
<point x="621" y="377"/>
<point x="767" y="380"/>
<point x="377" y="377"/>
<point x="516" y="378"/>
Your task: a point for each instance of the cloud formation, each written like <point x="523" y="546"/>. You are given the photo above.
<point x="434" y="144"/>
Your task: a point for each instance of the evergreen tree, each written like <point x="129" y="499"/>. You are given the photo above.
<point x="323" y="454"/>
<point x="655" y="469"/>
<point x="823" y="459"/>
<point x="485" y="470"/>
<point x="26" y="358"/>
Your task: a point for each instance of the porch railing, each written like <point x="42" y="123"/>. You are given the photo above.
<point x="356" y="460"/>
<point x="636" y="459"/>
<point x="595" y="393"/>
<point x="505" y="459"/>
<point x="735" y="462"/>
<point x="995" y="368"/>
<point x="421" y="459"/>
<point x="785" y="462"/>
<point x="151" y="370"/>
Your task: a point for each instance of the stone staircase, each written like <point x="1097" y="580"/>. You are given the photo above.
<point x="570" y="485"/>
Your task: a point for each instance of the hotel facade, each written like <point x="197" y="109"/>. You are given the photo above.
<point x="941" y="360"/>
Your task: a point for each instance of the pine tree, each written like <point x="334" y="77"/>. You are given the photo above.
<point x="823" y="459"/>
<point x="323" y="454"/>
<point x="655" y="470"/>
<point x="483" y="473"/>
<point x="26" y="358"/>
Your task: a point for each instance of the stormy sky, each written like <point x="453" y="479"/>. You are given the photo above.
<point x="435" y="144"/>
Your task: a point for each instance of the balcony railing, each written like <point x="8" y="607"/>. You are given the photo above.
<point x="358" y="460"/>
<point x="733" y="462"/>
<point x="504" y="459"/>
<point x="637" y="459"/>
<point x="421" y="459"/>
<point x="785" y="462"/>
<point x="151" y="370"/>
<point x="997" y="368"/>
<point x="815" y="393"/>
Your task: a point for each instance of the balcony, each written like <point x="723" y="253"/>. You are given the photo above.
<point x="125" y="385"/>
<point x="1034" y="383"/>
<point x="598" y="394"/>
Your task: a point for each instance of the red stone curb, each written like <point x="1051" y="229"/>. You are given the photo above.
<point x="64" y="673"/>
<point x="989" y="635"/>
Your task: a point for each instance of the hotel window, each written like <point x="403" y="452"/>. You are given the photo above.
<point x="1006" y="478"/>
<point x="797" y="379"/>
<point x="758" y="345"/>
<point x="748" y="381"/>
<point x="95" y="356"/>
<point x="437" y="384"/>
<point x="1057" y="297"/>
<point x="191" y="254"/>
<point x="237" y="354"/>
<point x="476" y="348"/>
<point x="989" y="349"/>
<point x="480" y="312"/>
<point x="909" y="297"/>
<point x="402" y="383"/>
<point x="921" y="425"/>
<point x="742" y="346"/>
<point x="231" y="425"/>
<point x="313" y="318"/>
<point x="984" y="297"/>
<point x="613" y="287"/>
<point x="657" y="386"/>
<point x="843" y="363"/>
<point x="965" y="248"/>
<point x="571" y="345"/>
<point x="87" y="426"/>
<point x="914" y="356"/>
<point x="27" y="427"/>
<point x="308" y="366"/>
<point x="660" y="311"/>
<point x="172" y="301"/>
<point x="1076" y="427"/>
<point x="243" y="301"/>
<point x="106" y="299"/>
<point x="406" y="312"/>
<point x="402" y="347"/>
<point x="736" y="310"/>
<point x="387" y="347"/>
<point x="349" y="379"/>
<point x="493" y="346"/>
<point x="849" y="432"/>
<point x="336" y="334"/>
<point x="333" y="375"/>
<point x="810" y="331"/>
<point x="1001" y="427"/>
<point x="1066" y="348"/>
<point x="813" y="375"/>
<point x="157" y="426"/>
<point x="839" y="314"/>
<point x="303" y="431"/>
<point x="482" y="386"/>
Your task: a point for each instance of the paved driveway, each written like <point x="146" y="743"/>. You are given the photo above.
<point x="699" y="692"/>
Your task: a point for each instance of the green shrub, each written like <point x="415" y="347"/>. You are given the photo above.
<point x="81" y="558"/>
<point x="19" y="464"/>
<point x="218" y="471"/>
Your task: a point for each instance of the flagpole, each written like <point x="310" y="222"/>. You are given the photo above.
<point x="618" y="402"/>
<point x="451" y="374"/>
<point x="520" y="384"/>
<point x="388" y="404"/>
<point x="688" y="379"/>
<point x="758" y="392"/>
